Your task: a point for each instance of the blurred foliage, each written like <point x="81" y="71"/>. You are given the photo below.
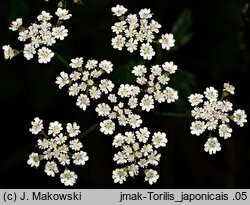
<point x="181" y="29"/>
<point x="183" y="80"/>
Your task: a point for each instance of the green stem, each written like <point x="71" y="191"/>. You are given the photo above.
<point x="62" y="60"/>
<point x="169" y="114"/>
<point x="172" y="114"/>
<point x="159" y="52"/>
<point x="88" y="131"/>
<point x="44" y="134"/>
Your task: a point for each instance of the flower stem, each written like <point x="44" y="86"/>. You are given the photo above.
<point x="88" y="131"/>
<point x="62" y="60"/>
<point x="169" y="114"/>
<point x="172" y="114"/>
<point x="44" y="134"/>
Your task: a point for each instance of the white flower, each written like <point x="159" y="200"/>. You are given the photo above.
<point x="145" y="13"/>
<point x="51" y="168"/>
<point x="132" y="102"/>
<point x="147" y="51"/>
<point x="107" y="66"/>
<point x="76" y="62"/>
<point x="33" y="160"/>
<point x="15" y="25"/>
<point x="120" y="158"/>
<point x="112" y="98"/>
<point x="73" y="129"/>
<point x="167" y="41"/>
<point x="83" y="101"/>
<point x="211" y="94"/>
<point x="225" y="131"/>
<point x="29" y="51"/>
<point x="37" y="126"/>
<point x="63" y="14"/>
<point x="119" y="175"/>
<point x="23" y="35"/>
<point x="91" y="64"/>
<point x="228" y="88"/>
<point x="147" y="103"/>
<point x="139" y="70"/>
<point x="146" y="149"/>
<point x="75" y="145"/>
<point x="226" y="106"/>
<point x="240" y="117"/>
<point x="54" y="128"/>
<point x="212" y="124"/>
<point x="159" y="96"/>
<point x="125" y="90"/>
<point x="131" y="45"/>
<point x="171" y="95"/>
<point x="134" y="120"/>
<point x="197" y="127"/>
<point x="129" y="137"/>
<point x="133" y="170"/>
<point x="68" y="178"/>
<point x="143" y="134"/>
<point x="44" y="16"/>
<point x="75" y="75"/>
<point x="62" y="80"/>
<point x="154" y="158"/>
<point x="118" y="141"/>
<point x="151" y="176"/>
<point x="135" y="90"/>
<point x="45" y="55"/>
<point x="103" y="109"/>
<point x="212" y="145"/>
<point x="8" y="52"/>
<point x="60" y="32"/>
<point x="119" y="27"/>
<point x="106" y="86"/>
<point x="159" y="139"/>
<point x="118" y="42"/>
<point x="61" y="139"/>
<point x="154" y="26"/>
<point x="94" y="92"/>
<point x="43" y="144"/>
<point x="132" y="20"/>
<point x="119" y="10"/>
<point x="64" y="159"/>
<point x="156" y="70"/>
<point x="80" y="158"/>
<point x="195" y="99"/>
<point x="107" y="127"/>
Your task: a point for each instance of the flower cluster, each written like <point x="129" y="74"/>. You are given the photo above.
<point x="155" y="84"/>
<point x="152" y="86"/>
<point x="121" y="108"/>
<point x="58" y="149"/>
<point x="213" y="114"/>
<point x="133" y="31"/>
<point x="39" y="36"/>
<point x="84" y="83"/>
<point x="138" y="151"/>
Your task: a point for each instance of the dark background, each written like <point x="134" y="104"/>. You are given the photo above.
<point x="218" y="52"/>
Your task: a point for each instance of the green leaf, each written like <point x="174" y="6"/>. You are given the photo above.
<point x="181" y="28"/>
